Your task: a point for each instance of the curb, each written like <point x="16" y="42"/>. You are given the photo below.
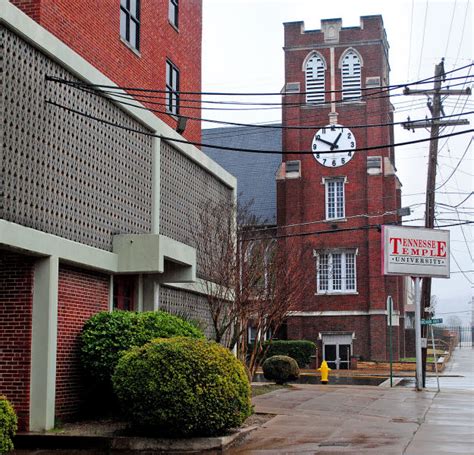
<point x="123" y="444"/>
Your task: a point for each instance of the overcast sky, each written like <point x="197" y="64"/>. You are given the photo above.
<point x="242" y="52"/>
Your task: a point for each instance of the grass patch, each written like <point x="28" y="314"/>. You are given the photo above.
<point x="266" y="388"/>
<point x="413" y="359"/>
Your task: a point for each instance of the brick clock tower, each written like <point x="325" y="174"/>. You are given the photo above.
<point x="333" y="193"/>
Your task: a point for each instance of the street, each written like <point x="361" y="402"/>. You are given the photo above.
<point x="371" y="420"/>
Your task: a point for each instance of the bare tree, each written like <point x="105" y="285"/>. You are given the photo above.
<point x="248" y="275"/>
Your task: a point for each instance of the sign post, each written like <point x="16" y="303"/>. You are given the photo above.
<point x="415" y="252"/>
<point x="419" y="372"/>
<point x="390" y="309"/>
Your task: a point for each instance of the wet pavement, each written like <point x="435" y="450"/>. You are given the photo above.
<point x="318" y="419"/>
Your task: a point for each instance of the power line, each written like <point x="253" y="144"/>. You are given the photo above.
<point x="450" y="28"/>
<point x="457" y="166"/>
<point x="244" y="150"/>
<point x="308" y="127"/>
<point x="141" y="89"/>
<point x="199" y="102"/>
<point x="422" y="40"/>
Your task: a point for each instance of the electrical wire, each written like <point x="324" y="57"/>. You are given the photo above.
<point x="286" y="127"/>
<point x="244" y="150"/>
<point x="141" y="89"/>
<point x="457" y="166"/>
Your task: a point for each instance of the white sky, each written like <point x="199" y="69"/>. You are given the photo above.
<point x="242" y="52"/>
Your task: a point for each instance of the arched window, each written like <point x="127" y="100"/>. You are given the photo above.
<point x="351" y="75"/>
<point x="315" y="74"/>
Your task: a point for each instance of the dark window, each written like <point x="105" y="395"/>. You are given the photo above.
<point x="172" y="88"/>
<point x="130" y="22"/>
<point x="173" y="13"/>
<point x="124" y="293"/>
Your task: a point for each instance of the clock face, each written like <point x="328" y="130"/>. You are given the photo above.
<point x="328" y="140"/>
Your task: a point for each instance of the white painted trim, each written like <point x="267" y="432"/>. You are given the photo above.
<point x="140" y="293"/>
<point x="132" y="253"/>
<point x="156" y="186"/>
<point x="44" y="344"/>
<point x="46" y="42"/>
<point x="111" y="293"/>
<point x="43" y="244"/>
<point x="337" y="313"/>
<point x="343" y="56"/>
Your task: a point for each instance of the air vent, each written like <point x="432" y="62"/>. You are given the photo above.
<point x="293" y="169"/>
<point x="372" y="82"/>
<point x="292" y="87"/>
<point x="374" y="165"/>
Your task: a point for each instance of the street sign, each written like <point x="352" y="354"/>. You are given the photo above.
<point x="431" y="321"/>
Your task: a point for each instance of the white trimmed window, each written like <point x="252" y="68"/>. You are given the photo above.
<point x="315" y="79"/>
<point x="335" y="200"/>
<point x="130" y="22"/>
<point x="351" y="76"/>
<point x="336" y="272"/>
<point x="173" y="12"/>
<point x="172" y="88"/>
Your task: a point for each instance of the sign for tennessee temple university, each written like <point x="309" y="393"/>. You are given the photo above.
<point x="415" y="251"/>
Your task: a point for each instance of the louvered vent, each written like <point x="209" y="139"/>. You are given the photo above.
<point x="351" y="76"/>
<point x="315" y="87"/>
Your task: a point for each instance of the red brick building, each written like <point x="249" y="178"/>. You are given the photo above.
<point x="92" y="216"/>
<point x="332" y="198"/>
<point x="134" y="42"/>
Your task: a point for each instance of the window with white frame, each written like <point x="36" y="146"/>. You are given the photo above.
<point x="172" y="88"/>
<point x="336" y="271"/>
<point x="130" y="22"/>
<point x="351" y="76"/>
<point x="173" y="11"/>
<point x="335" y="200"/>
<point x="315" y="79"/>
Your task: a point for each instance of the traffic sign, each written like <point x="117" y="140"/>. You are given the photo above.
<point x="431" y="321"/>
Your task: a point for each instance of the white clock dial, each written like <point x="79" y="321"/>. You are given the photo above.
<point x="328" y="140"/>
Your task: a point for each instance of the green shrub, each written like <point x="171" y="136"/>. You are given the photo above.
<point x="8" y="425"/>
<point x="106" y="335"/>
<point x="300" y="350"/>
<point x="281" y="369"/>
<point x="182" y="387"/>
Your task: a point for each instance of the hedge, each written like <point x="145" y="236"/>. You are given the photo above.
<point x="300" y="350"/>
<point x="182" y="387"/>
<point x="106" y="336"/>
<point x="8" y="425"/>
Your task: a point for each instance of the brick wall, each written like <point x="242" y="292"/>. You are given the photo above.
<point x="92" y="29"/>
<point x="16" y="304"/>
<point x="81" y="294"/>
<point x="30" y="7"/>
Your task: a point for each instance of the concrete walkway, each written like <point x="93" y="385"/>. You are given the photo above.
<point x="369" y="420"/>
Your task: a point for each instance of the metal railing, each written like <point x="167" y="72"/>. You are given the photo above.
<point x="456" y="336"/>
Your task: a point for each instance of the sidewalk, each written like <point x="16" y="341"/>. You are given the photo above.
<point x="370" y="420"/>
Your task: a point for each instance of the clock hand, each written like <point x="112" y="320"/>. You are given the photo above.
<point x="326" y="142"/>
<point x="334" y="145"/>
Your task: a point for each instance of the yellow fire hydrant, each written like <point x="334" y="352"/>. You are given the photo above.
<point x="324" y="369"/>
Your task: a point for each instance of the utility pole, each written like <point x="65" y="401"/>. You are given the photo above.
<point x="434" y="123"/>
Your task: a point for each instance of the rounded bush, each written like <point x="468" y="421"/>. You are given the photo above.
<point x="281" y="369"/>
<point x="106" y="336"/>
<point x="8" y="425"/>
<point x="182" y="387"/>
